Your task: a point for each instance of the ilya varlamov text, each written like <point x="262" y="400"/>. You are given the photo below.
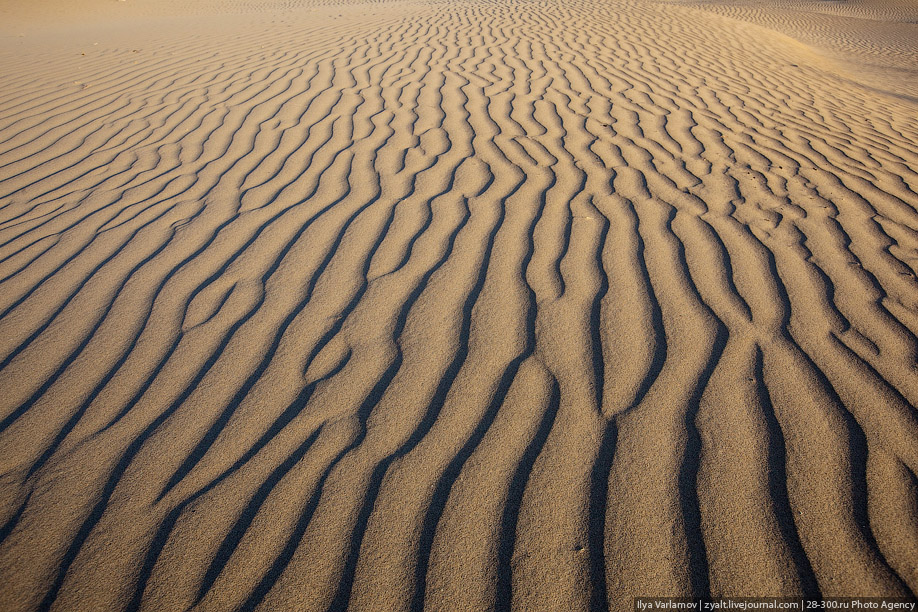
<point x="701" y="605"/>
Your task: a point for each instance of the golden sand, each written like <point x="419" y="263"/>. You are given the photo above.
<point x="456" y="305"/>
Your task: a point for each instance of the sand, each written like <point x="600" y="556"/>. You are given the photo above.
<point x="456" y="305"/>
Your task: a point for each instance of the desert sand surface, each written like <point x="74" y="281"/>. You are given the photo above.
<point x="456" y="305"/>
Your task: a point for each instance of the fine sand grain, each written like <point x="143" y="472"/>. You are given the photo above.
<point x="456" y="305"/>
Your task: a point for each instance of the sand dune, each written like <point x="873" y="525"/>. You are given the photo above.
<point x="871" y="42"/>
<point x="468" y="305"/>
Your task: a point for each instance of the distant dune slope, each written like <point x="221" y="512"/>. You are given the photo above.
<point x="871" y="42"/>
<point x="467" y="305"/>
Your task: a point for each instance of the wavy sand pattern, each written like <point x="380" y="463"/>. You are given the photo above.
<point x="466" y="305"/>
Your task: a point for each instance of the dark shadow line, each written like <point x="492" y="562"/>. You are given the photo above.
<point x="270" y="578"/>
<point x="777" y="485"/>
<point x="511" y="514"/>
<point x="7" y="528"/>
<point x="599" y="504"/>
<point x="242" y="524"/>
<point x="168" y="524"/>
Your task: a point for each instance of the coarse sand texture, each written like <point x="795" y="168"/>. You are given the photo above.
<point x="456" y="305"/>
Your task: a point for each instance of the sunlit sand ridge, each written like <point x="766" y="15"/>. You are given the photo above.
<point x="468" y="305"/>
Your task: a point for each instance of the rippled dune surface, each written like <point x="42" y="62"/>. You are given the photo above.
<point x="472" y="305"/>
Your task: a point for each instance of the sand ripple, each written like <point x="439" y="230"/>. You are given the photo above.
<point x="457" y="305"/>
